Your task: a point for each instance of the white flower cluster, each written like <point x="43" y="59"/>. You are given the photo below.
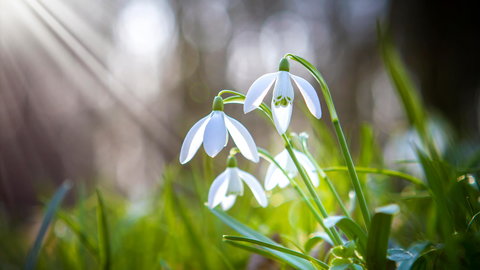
<point x="212" y="131"/>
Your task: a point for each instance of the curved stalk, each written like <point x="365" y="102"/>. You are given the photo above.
<point x="386" y="172"/>
<point x="266" y="110"/>
<point x="340" y="136"/>
<point x="335" y="238"/>
<point x="325" y="177"/>
<point x="308" y="182"/>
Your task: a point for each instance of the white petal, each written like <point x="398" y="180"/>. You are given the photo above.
<point x="242" y="139"/>
<point x="215" y="136"/>
<point x="283" y="85"/>
<point x="271" y="178"/>
<point x="309" y="95"/>
<point x="274" y="175"/>
<point x="308" y="166"/>
<point x="228" y="202"/>
<point x="256" y="93"/>
<point x="218" y="190"/>
<point x="283" y="181"/>
<point x="235" y="185"/>
<point x="281" y="117"/>
<point x="193" y="140"/>
<point x="255" y="186"/>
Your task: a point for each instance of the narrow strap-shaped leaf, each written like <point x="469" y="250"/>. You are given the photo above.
<point x="250" y="233"/>
<point x="276" y="247"/>
<point x="381" y="171"/>
<point x="253" y="249"/>
<point x="103" y="234"/>
<point x="49" y="215"/>
<point x="315" y="239"/>
<point x="378" y="237"/>
<point x="81" y="235"/>
<point x="351" y="229"/>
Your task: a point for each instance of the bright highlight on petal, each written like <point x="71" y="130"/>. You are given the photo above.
<point x="214" y="139"/>
<point x="193" y="140"/>
<point x="309" y="95"/>
<point x="242" y="139"/>
<point x="256" y="93"/>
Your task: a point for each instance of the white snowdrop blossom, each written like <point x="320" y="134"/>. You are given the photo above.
<point x="212" y="130"/>
<point x="283" y="95"/>
<point x="275" y="176"/>
<point x="229" y="184"/>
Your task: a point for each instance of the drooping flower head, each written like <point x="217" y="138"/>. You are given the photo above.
<point x="229" y="184"/>
<point x="283" y="95"/>
<point x="275" y="177"/>
<point x="213" y="130"/>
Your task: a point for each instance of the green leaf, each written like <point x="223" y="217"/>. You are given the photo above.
<point x="378" y="237"/>
<point x="398" y="254"/>
<point x="351" y="229"/>
<point x="103" y="233"/>
<point x="276" y="247"/>
<point x="47" y="219"/>
<point x="416" y="250"/>
<point x="81" y="235"/>
<point x="403" y="84"/>
<point x="316" y="239"/>
<point x="250" y="233"/>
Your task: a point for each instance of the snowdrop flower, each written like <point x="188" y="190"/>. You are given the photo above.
<point x="229" y="184"/>
<point x="283" y="95"/>
<point x="276" y="177"/>
<point x="212" y="132"/>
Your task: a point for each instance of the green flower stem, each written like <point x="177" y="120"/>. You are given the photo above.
<point x="353" y="173"/>
<point x="386" y="172"/>
<point x="308" y="183"/>
<point x="239" y="98"/>
<point x="340" y="136"/>
<point x="322" y="175"/>
<point x="265" y="155"/>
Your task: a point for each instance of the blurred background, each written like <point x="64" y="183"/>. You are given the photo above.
<point x="105" y="91"/>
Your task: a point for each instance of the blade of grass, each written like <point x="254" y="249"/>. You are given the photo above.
<point x="316" y="239"/>
<point x="253" y="249"/>
<point x="351" y="229"/>
<point x="76" y="229"/>
<point x="386" y="172"/>
<point x="250" y="233"/>
<point x="403" y="84"/>
<point x="378" y="237"/>
<point x="276" y="247"/>
<point x="103" y="234"/>
<point x="49" y="215"/>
